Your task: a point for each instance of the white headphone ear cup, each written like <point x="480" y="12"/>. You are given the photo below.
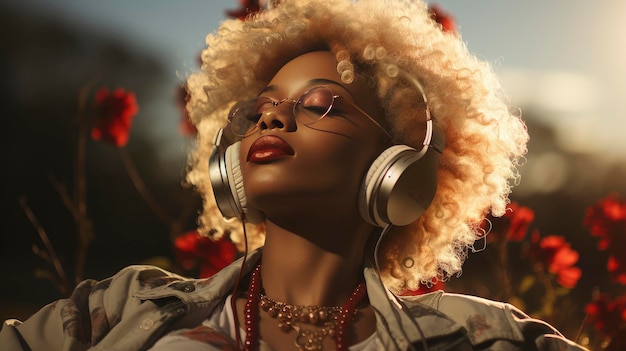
<point x="235" y="179"/>
<point x="381" y="164"/>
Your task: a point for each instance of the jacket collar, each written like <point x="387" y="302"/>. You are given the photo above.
<point x="403" y="322"/>
<point x="400" y="322"/>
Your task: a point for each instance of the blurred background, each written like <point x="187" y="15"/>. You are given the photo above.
<point x="563" y="63"/>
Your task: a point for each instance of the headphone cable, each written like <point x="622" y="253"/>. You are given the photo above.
<point x="233" y="298"/>
<point x="398" y="301"/>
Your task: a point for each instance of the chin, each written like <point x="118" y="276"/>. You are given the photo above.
<point x="295" y="202"/>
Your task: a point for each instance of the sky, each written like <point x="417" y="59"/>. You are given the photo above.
<point x="566" y="58"/>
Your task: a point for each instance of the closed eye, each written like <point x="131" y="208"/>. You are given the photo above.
<point x="319" y="110"/>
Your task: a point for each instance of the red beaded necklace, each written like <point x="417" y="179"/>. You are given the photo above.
<point x="306" y="339"/>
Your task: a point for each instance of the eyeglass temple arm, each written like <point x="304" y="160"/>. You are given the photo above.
<point x="368" y="116"/>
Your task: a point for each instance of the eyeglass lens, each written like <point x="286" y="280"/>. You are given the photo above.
<point x="312" y="106"/>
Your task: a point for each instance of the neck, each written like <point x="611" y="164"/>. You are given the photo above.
<point x="303" y="270"/>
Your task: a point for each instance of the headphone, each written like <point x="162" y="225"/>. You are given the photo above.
<point x="398" y="187"/>
<point x="402" y="181"/>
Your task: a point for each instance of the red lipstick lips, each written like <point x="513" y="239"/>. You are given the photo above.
<point x="269" y="148"/>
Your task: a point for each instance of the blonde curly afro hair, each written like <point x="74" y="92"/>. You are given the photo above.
<point x="376" y="39"/>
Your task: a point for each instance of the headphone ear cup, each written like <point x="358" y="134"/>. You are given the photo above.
<point x="399" y="186"/>
<point x="374" y="173"/>
<point x="235" y="179"/>
<point x="227" y="183"/>
<point x="221" y="177"/>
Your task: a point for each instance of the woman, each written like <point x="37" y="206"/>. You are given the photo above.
<point x="333" y="160"/>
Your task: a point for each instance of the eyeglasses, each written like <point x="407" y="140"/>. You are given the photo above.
<point x="311" y="107"/>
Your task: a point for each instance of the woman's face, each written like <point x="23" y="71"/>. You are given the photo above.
<point x="297" y="170"/>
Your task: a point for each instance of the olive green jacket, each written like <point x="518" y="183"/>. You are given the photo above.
<point x="138" y="305"/>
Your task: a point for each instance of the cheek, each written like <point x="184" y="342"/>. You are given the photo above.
<point x="326" y="168"/>
<point x="335" y="160"/>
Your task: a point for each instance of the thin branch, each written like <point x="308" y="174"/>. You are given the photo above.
<point x="53" y="257"/>
<point x="549" y="296"/>
<point x="188" y="210"/>
<point x="83" y="224"/>
<point x="65" y="197"/>
<point x="141" y="187"/>
<point x="505" y="269"/>
<point x="41" y="254"/>
<point x="581" y="329"/>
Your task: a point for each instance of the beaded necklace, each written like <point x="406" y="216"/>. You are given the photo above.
<point x="333" y="321"/>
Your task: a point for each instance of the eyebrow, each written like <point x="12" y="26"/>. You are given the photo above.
<point x="315" y="81"/>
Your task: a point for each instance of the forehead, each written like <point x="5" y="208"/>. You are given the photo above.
<point x="296" y="74"/>
<point x="302" y="72"/>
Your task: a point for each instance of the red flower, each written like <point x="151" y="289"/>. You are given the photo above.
<point x="617" y="267"/>
<point x="246" y="7"/>
<point x="607" y="220"/>
<point x="607" y="316"/>
<point x="442" y="17"/>
<point x="114" y="115"/>
<point x="193" y="249"/>
<point x="186" y="127"/>
<point x="513" y="225"/>
<point x="555" y="255"/>
<point x="423" y="289"/>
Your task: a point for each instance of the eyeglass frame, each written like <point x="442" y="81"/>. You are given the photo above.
<point x="274" y="103"/>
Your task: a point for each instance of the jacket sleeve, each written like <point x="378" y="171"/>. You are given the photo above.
<point x="539" y="334"/>
<point x="500" y="326"/>
<point x="93" y="311"/>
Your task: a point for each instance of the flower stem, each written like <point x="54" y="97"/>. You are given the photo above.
<point x="65" y="197"/>
<point x="549" y="295"/>
<point x="53" y="258"/>
<point x="85" y="234"/>
<point x="141" y="188"/>
<point x="505" y="277"/>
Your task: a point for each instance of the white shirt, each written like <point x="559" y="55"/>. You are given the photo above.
<point x="223" y="320"/>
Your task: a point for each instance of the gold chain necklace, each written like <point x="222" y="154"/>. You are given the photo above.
<point x="291" y="317"/>
<point x="332" y="321"/>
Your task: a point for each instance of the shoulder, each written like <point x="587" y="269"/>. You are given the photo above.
<point x="114" y="291"/>
<point x="94" y="309"/>
<point x="135" y="306"/>
<point x="138" y="278"/>
<point x="488" y="321"/>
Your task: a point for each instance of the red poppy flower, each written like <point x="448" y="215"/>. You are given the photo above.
<point x="607" y="220"/>
<point x="186" y="127"/>
<point x="607" y="316"/>
<point x="513" y="225"/>
<point x="193" y="250"/>
<point x="557" y="257"/>
<point x="114" y="114"/>
<point x="423" y="289"/>
<point x="442" y="17"/>
<point x="617" y="268"/>
<point x="246" y="7"/>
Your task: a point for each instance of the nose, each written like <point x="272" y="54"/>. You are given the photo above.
<point x="279" y="117"/>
